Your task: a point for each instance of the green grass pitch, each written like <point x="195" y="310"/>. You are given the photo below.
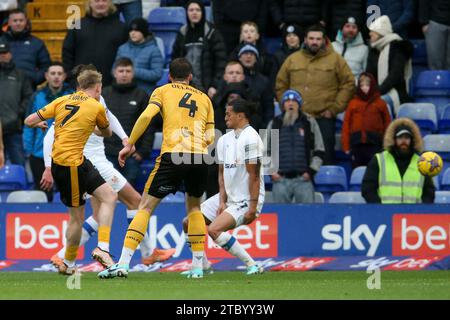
<point x="230" y="285"/>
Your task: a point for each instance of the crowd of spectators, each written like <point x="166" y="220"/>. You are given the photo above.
<point x="333" y="56"/>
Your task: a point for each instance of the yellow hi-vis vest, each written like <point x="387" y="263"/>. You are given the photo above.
<point x="392" y="187"/>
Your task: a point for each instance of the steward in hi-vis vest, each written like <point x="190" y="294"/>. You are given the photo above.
<point x="392" y="175"/>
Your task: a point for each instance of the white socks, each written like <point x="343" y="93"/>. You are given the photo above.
<point x="126" y="256"/>
<point x="229" y="243"/>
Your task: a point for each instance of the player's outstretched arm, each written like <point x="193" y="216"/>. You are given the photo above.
<point x="222" y="192"/>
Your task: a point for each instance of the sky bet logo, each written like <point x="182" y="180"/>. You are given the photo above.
<point x="347" y="237"/>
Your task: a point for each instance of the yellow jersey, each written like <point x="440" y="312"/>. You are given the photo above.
<point x="188" y="118"/>
<point x="76" y="116"/>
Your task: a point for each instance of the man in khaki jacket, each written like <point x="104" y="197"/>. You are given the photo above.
<point x="324" y="80"/>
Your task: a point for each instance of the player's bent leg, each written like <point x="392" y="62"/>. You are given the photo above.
<point x="135" y="234"/>
<point x="107" y="198"/>
<point x="217" y="231"/>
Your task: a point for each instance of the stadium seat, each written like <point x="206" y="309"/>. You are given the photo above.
<point x="157" y="143"/>
<point x="445" y="182"/>
<point x="439" y="102"/>
<point x="57" y="197"/>
<point x="27" y="196"/>
<point x="339" y="121"/>
<point x="347" y="197"/>
<point x="268" y="182"/>
<point x="272" y="44"/>
<point x="444" y="119"/>
<point x="318" y="197"/>
<point x="436" y="182"/>
<point x="168" y="38"/>
<point x="164" y="78"/>
<point x="442" y="197"/>
<point x="420" y="52"/>
<point x="356" y="178"/>
<point x="424" y="114"/>
<point x="209" y="14"/>
<point x="13" y="177"/>
<point x="342" y="159"/>
<point x="439" y="143"/>
<point x="330" y="179"/>
<point x="167" y="19"/>
<point x="433" y="83"/>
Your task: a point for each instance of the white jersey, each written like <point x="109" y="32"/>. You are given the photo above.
<point x="233" y="152"/>
<point x="94" y="146"/>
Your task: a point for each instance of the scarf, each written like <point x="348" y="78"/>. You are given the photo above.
<point x="383" y="45"/>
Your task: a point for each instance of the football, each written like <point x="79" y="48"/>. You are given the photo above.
<point x="430" y="164"/>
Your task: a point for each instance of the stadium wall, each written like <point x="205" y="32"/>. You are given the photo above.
<point x="34" y="232"/>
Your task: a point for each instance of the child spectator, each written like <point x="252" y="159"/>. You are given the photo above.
<point x="291" y="43"/>
<point x="365" y="122"/>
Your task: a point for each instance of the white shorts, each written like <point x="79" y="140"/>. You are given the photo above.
<point x="112" y="177"/>
<point x="237" y="210"/>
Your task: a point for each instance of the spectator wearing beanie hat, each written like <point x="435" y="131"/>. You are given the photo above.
<point x="389" y="61"/>
<point x="292" y="38"/>
<point x="350" y="45"/>
<point x="143" y="50"/>
<point x="301" y="151"/>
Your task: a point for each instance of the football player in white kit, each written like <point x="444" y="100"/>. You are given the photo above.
<point x="241" y="183"/>
<point x="95" y="151"/>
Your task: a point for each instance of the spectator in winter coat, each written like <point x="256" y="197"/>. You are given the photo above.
<point x="383" y="181"/>
<point x="365" y="122"/>
<point x="259" y="84"/>
<point x="143" y="50"/>
<point x="15" y="93"/>
<point x="98" y="39"/>
<point x="390" y="62"/>
<point x="33" y="138"/>
<point x="301" y="151"/>
<point x="126" y="100"/>
<point x="29" y="53"/>
<point x="324" y="80"/>
<point x="400" y="13"/>
<point x="201" y="43"/>
<point x="434" y="16"/>
<point x="291" y="43"/>
<point x="350" y="45"/>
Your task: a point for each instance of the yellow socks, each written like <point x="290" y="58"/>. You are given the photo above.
<point x="104" y="233"/>
<point x="70" y="255"/>
<point x="196" y="231"/>
<point x="136" y="230"/>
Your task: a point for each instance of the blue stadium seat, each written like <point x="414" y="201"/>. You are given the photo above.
<point x="424" y="114"/>
<point x="342" y="159"/>
<point x="167" y="19"/>
<point x="347" y="197"/>
<point x="445" y="182"/>
<point x="356" y="178"/>
<point x="436" y="182"/>
<point x="13" y="177"/>
<point x="420" y="52"/>
<point x="439" y="143"/>
<point x="330" y="179"/>
<point x="57" y="197"/>
<point x="209" y="14"/>
<point x="272" y="44"/>
<point x="444" y="120"/>
<point x="442" y="197"/>
<point x="433" y="83"/>
<point x="268" y="182"/>
<point x="144" y="171"/>
<point x="339" y="121"/>
<point x="164" y="78"/>
<point x="439" y="102"/>
<point x="168" y="38"/>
